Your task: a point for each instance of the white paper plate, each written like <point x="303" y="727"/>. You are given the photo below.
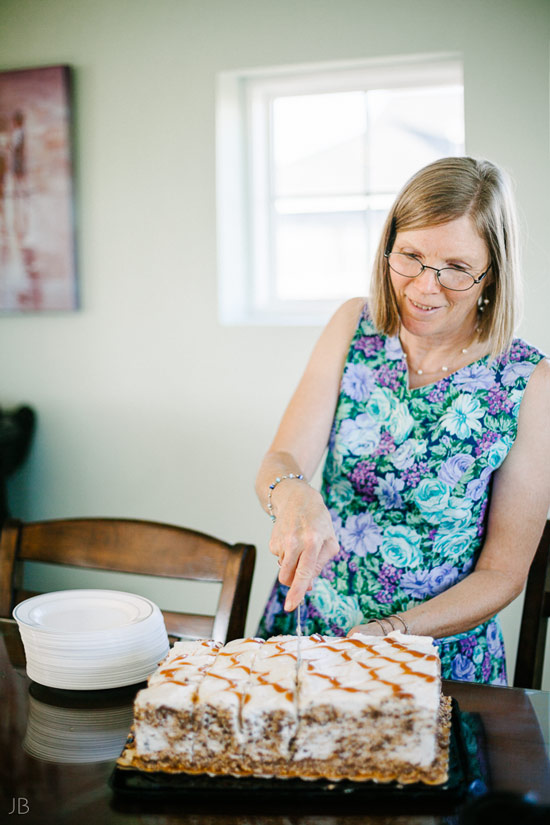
<point x="83" y="611"/>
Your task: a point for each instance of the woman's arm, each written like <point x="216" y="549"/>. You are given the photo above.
<point x="518" y="510"/>
<point x="303" y="537"/>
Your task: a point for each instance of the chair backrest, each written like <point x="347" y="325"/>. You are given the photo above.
<point x="133" y="546"/>
<point x="534" y="620"/>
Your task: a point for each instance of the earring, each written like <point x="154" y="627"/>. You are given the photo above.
<point x="482" y="303"/>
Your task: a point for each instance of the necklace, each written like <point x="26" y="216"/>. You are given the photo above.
<point x="444" y="367"/>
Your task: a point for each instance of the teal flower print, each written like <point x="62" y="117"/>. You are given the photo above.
<point x="454" y="545"/>
<point x="457" y="515"/>
<point x="400" y="423"/>
<point x="463" y="417"/>
<point x="497" y="452"/>
<point x="343" y="610"/>
<point x="381" y="405"/>
<point x="342" y="492"/>
<point x="401" y="547"/>
<point x="432" y="497"/>
<point x="384" y="408"/>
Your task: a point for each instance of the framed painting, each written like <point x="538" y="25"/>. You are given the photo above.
<point x="37" y="239"/>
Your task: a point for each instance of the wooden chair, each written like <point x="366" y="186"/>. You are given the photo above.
<point x="132" y="546"/>
<point x="534" y="620"/>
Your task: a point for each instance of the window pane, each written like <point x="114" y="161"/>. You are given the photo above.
<point x="318" y="144"/>
<point x="409" y="128"/>
<point x="321" y="256"/>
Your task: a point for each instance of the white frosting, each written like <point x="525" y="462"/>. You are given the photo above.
<point x="186" y="662"/>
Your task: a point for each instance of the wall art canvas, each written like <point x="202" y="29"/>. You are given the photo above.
<point x="37" y="247"/>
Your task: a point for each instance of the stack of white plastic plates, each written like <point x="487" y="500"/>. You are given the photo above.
<point x="91" y="639"/>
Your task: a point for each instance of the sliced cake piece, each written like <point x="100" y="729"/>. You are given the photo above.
<point x="166" y="725"/>
<point x="269" y="715"/>
<point x="219" y="741"/>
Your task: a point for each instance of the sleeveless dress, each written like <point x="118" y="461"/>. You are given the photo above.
<point x="407" y="481"/>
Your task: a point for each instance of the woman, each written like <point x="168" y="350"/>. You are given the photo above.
<point x="437" y="477"/>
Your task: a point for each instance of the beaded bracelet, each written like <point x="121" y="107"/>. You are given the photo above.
<point x="278" y="480"/>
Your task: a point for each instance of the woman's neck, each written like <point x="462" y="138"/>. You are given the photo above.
<point x="430" y="358"/>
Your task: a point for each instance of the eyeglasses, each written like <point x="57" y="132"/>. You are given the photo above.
<point x="450" y="277"/>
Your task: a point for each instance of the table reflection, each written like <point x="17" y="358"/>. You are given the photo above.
<point x="77" y="727"/>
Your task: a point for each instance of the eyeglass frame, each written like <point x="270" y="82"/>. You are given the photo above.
<point x="437" y="271"/>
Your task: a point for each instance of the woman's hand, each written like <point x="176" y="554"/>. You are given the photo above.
<point x="303" y="537"/>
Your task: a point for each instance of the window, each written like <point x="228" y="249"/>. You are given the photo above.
<point x="309" y="161"/>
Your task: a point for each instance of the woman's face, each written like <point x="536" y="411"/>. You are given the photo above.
<point x="425" y="307"/>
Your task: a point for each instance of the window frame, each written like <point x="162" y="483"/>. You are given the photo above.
<point x="244" y="150"/>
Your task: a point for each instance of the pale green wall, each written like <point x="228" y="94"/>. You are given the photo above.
<point x="148" y="408"/>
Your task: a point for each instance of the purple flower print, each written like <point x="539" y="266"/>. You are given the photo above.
<point x="486" y="441"/>
<point x="336" y="520"/>
<point x="519" y="351"/>
<point x="441" y="578"/>
<point x="467" y="645"/>
<point x="514" y="370"/>
<point x="386" y="445"/>
<point x="415" y="583"/>
<point x="452" y="470"/>
<point x="358" y="381"/>
<point x="472" y="378"/>
<point x="439" y="392"/>
<point x="369" y="344"/>
<point x="475" y="489"/>
<point x="494" y="641"/>
<point x="389" y="574"/>
<point x="393" y="348"/>
<point x="413" y="475"/>
<point x="498" y="401"/>
<point x="486" y="666"/>
<point x="387" y="490"/>
<point x="463" y="669"/>
<point x="388" y="376"/>
<point x="361" y="535"/>
<point x="481" y="518"/>
<point x="364" y="479"/>
<point x="385" y="596"/>
<point x="436" y="395"/>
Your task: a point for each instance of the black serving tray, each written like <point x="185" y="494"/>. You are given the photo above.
<point x="467" y="777"/>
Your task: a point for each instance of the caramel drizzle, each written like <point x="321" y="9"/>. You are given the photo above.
<point x="406" y="668"/>
<point x="280" y="649"/>
<point x="288" y="694"/>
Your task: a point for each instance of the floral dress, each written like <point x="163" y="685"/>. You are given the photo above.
<point x="407" y="481"/>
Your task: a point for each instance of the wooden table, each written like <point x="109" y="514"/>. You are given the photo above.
<point x="40" y="790"/>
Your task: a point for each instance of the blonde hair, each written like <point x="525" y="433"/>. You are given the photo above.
<point x="444" y="191"/>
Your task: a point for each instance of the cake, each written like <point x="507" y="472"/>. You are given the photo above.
<point x="357" y="708"/>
